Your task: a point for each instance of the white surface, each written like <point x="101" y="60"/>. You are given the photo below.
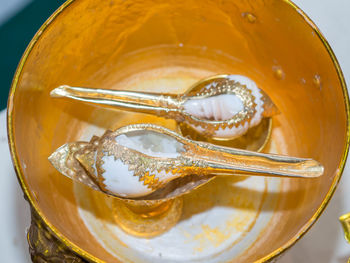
<point x="323" y="243"/>
<point x="15" y="214"/>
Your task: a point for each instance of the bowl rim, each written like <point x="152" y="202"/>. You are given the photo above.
<point x="90" y="257"/>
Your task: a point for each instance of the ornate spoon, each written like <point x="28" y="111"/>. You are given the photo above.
<point x="222" y="107"/>
<point x="149" y="162"/>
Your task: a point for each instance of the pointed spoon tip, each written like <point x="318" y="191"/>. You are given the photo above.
<point x="313" y="169"/>
<point x="59" y="92"/>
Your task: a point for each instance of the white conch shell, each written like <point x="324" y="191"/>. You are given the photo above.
<point x="219" y="108"/>
<point x="226" y="106"/>
<point x="136" y="161"/>
<point x="129" y="175"/>
<point x="126" y="184"/>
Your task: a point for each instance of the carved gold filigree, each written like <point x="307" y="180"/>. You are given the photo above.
<point x="196" y="158"/>
<point x="143" y="166"/>
<point x="172" y="106"/>
<point x="65" y="160"/>
<point x="45" y="247"/>
<point x="219" y="87"/>
<point x="345" y="222"/>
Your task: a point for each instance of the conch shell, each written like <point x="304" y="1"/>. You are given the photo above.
<point x="135" y="161"/>
<point x="227" y="107"/>
<point x="220" y="107"/>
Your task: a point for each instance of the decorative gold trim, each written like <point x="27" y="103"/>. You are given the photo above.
<point x="345" y="222"/>
<point x="15" y="160"/>
<point x="337" y="177"/>
<point x="87" y="255"/>
<point x="44" y="246"/>
<point x="223" y="86"/>
<point x="194" y="158"/>
<point x="172" y="106"/>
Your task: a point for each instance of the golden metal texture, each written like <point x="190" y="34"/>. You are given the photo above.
<point x="147" y="220"/>
<point x="61" y="52"/>
<point x="345" y="222"/>
<point x="171" y="105"/>
<point x="255" y="139"/>
<point x="45" y="247"/>
<point x="196" y="158"/>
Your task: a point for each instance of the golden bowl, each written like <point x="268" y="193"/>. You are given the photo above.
<point x="166" y="46"/>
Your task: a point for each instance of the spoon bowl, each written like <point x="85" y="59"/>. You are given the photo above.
<point x="99" y="56"/>
<point x="222" y="107"/>
<point x="254" y="139"/>
<point x="147" y="162"/>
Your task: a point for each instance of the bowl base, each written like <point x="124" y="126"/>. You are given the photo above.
<point x="147" y="220"/>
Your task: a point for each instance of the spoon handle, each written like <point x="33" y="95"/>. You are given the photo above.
<point x="224" y="160"/>
<point x="151" y="103"/>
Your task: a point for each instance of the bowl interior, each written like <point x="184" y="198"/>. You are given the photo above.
<point x="166" y="47"/>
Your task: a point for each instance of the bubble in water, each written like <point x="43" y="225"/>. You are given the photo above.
<point x="249" y="17"/>
<point x="278" y="72"/>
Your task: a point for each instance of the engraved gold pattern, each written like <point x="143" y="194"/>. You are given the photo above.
<point x="68" y="243"/>
<point x="68" y="159"/>
<point x="345" y="222"/>
<point x="45" y="247"/>
<point x="219" y="87"/>
<point x="197" y="158"/>
<point x="143" y="166"/>
<point x="172" y="106"/>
